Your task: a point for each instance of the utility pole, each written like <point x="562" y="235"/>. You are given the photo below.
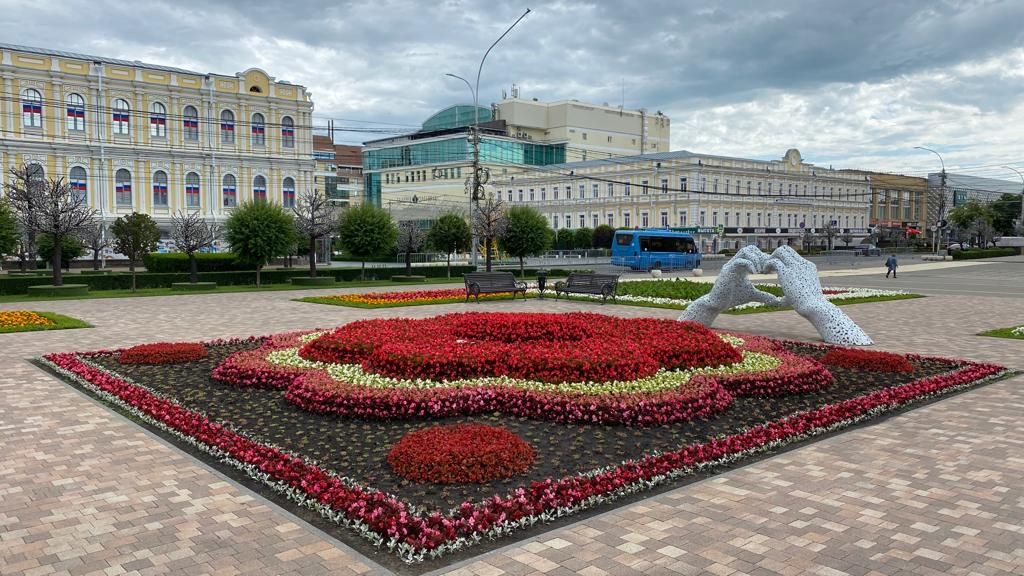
<point x="942" y="200"/>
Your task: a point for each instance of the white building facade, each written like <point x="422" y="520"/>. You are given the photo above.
<point x="726" y="202"/>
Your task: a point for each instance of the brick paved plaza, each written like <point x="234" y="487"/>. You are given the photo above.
<point x="937" y="490"/>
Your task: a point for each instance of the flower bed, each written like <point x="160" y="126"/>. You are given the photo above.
<point x="29" y="321"/>
<point x="409" y="298"/>
<point x="858" y="359"/>
<point x="459" y="454"/>
<point x="339" y="467"/>
<point x="163" y="353"/>
<point x="1013" y="333"/>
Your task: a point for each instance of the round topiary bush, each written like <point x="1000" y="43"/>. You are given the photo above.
<point x="460" y="454"/>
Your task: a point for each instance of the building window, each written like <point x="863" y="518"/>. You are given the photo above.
<point x="583" y="220"/>
<point x="258" y="128"/>
<point x="714" y="186"/>
<point x="748" y="219"/>
<point x="123" y="187"/>
<point x="568" y="192"/>
<point x="664" y="185"/>
<point x="643" y="187"/>
<point x="227" y="127"/>
<point x="520" y="194"/>
<point x="160" y="188"/>
<point x="714" y="218"/>
<point x="682" y="184"/>
<point x="748" y="187"/>
<point x="727" y="218"/>
<point x="79" y="183"/>
<point x="625" y="219"/>
<point x="595" y="190"/>
<point x="554" y="221"/>
<point x="192" y="190"/>
<point x="554" y="192"/>
<point x="158" y="120"/>
<point x="228" y="191"/>
<point x="31" y="109"/>
<point x="758" y="219"/>
<point x="701" y="217"/>
<point x="583" y="192"/>
<point x="594" y="219"/>
<point x="611" y="190"/>
<point x="682" y="217"/>
<point x="644" y="219"/>
<point x="259" y="189"/>
<point x="568" y="221"/>
<point x="121" y="117"/>
<point x="288" y="192"/>
<point x="75" y="112"/>
<point x="531" y="195"/>
<point x="509" y="195"/>
<point x="611" y="219"/>
<point x="625" y="188"/>
<point x="769" y="215"/>
<point x="190" y="123"/>
<point x="664" y="219"/>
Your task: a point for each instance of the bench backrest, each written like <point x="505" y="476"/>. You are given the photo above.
<point x="581" y="279"/>
<point x="487" y="279"/>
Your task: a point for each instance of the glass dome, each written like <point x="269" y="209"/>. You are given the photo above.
<point x="455" y="117"/>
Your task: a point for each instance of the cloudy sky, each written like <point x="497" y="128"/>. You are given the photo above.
<point x="854" y="84"/>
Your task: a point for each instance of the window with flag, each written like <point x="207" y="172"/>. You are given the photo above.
<point x="32" y="108"/>
<point x="160" y="188"/>
<point x="259" y="189"/>
<point x="258" y="126"/>
<point x="192" y="190"/>
<point x="227" y="127"/>
<point x="287" y="132"/>
<point x="75" y="112"/>
<point x="190" y="123"/>
<point x="121" y="117"/>
<point x="123" y="187"/>
<point x="79" y="184"/>
<point x="288" y="192"/>
<point x="228" y="191"/>
<point x="158" y="120"/>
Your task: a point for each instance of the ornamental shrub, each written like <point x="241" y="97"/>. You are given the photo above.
<point x="178" y="262"/>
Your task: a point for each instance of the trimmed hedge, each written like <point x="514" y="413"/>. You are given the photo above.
<point x="974" y="253"/>
<point x="178" y="262"/>
<point x="123" y="281"/>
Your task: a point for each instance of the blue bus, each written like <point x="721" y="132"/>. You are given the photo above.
<point x="652" y="248"/>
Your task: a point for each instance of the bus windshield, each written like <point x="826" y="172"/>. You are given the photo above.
<point x="624" y="239"/>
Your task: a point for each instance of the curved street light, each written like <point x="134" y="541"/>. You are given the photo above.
<point x="942" y="202"/>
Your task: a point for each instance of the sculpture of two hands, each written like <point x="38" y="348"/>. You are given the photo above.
<point x="798" y="278"/>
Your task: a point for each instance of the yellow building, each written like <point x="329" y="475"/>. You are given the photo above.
<point x="154" y="139"/>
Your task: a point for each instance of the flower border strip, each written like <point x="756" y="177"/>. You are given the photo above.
<point x="384" y="520"/>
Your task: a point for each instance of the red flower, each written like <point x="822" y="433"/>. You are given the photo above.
<point x="460" y="454"/>
<point x="873" y="360"/>
<point x="163" y="353"/>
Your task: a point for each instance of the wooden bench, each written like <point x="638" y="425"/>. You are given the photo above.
<point x="585" y="283"/>
<point x="478" y="283"/>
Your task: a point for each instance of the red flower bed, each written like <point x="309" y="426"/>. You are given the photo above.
<point x="250" y="369"/>
<point x="163" y="353"/>
<point x="546" y="347"/>
<point x="460" y="454"/>
<point x="873" y="360"/>
<point x="796" y="375"/>
<point x="383" y="517"/>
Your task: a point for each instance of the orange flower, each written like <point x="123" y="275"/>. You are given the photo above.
<point x="419" y="296"/>
<point x="22" y="319"/>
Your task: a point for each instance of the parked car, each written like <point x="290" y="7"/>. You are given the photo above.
<point x="867" y="250"/>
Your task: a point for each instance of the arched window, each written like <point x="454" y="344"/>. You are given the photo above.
<point x="228" y="189"/>
<point x="259" y="189"/>
<point x="123" y="187"/>
<point x="158" y="120"/>
<point x="287" y="132"/>
<point x="79" y="183"/>
<point x="121" y="117"/>
<point x="288" y="192"/>
<point x="190" y="123"/>
<point x="32" y="108"/>
<point x="76" y="112"/>
<point x="160" y="188"/>
<point x="259" y="128"/>
<point x="227" y="127"/>
<point x="192" y="190"/>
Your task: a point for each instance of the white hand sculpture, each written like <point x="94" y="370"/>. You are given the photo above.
<point x="799" y="280"/>
<point x="732" y="288"/>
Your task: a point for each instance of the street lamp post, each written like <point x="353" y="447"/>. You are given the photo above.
<point x="942" y="201"/>
<point x="474" y="195"/>
<point x="1021" y="193"/>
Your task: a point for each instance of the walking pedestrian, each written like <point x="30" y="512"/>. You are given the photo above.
<point x="890" y="266"/>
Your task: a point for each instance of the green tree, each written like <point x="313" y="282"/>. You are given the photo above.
<point x="975" y="219"/>
<point x="9" y="231"/>
<point x="258" y="232"/>
<point x="526" y="234"/>
<point x="71" y="248"/>
<point x="564" y="239"/>
<point x="583" y="238"/>
<point x="602" y="237"/>
<point x="366" y="231"/>
<point x="1007" y="210"/>
<point x="135" y="235"/>
<point x="449" y="234"/>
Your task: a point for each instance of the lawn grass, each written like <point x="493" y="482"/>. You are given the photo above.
<point x="60" y="322"/>
<point x="1003" y="333"/>
<point x="845" y="302"/>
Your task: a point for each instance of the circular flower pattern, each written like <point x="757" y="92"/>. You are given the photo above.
<point x="163" y="353"/>
<point x="542" y="347"/>
<point x="459" y="454"/>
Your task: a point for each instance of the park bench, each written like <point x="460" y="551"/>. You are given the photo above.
<point x="478" y="283"/>
<point x="587" y="283"/>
